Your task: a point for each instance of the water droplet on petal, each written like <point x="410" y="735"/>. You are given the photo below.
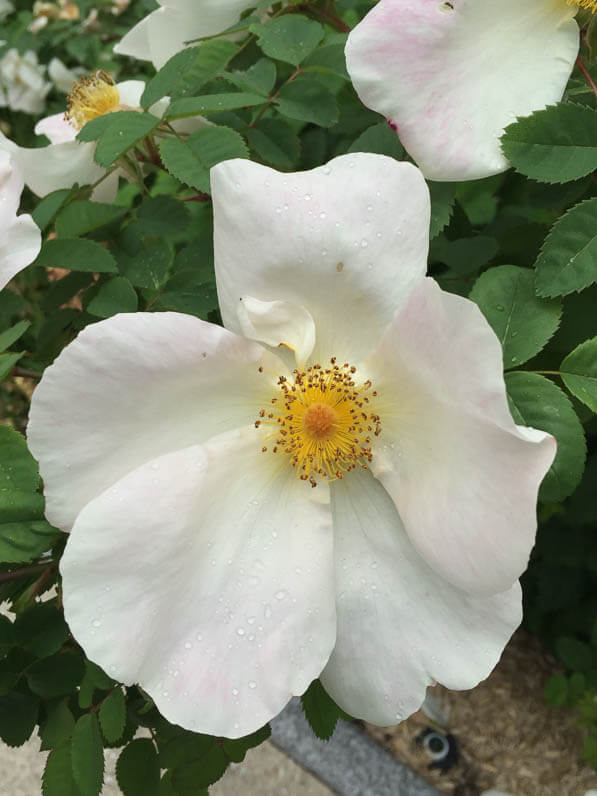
<point x="280" y="594"/>
<point x="252" y="684"/>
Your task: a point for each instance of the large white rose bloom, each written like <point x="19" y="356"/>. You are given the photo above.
<point x="451" y="76"/>
<point x="245" y="519"/>
<point x="165" y="31"/>
<point x="20" y="238"/>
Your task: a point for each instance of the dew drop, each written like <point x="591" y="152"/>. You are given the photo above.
<point x="267" y="612"/>
<point x="235" y="692"/>
<point x="280" y="594"/>
<point x="241" y="631"/>
<point x="250" y="620"/>
<point x="96" y="623"/>
<point x="499" y="307"/>
<point x="252" y="684"/>
<point x="307" y="197"/>
<point x="364" y="243"/>
<point x="199" y="637"/>
<point x="187" y="645"/>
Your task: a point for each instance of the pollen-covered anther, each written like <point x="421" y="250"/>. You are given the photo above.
<point x="90" y="97"/>
<point x="590" y="5"/>
<point x="324" y="421"/>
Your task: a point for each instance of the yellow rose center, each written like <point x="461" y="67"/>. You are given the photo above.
<point x="90" y="97"/>
<point x="591" y="5"/>
<point x="324" y="420"/>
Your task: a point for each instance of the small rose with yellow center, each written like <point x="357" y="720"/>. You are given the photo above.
<point x="331" y="486"/>
<point x="450" y="77"/>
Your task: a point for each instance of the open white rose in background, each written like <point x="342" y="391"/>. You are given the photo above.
<point x="23" y="84"/>
<point x="67" y="161"/>
<point x="167" y="30"/>
<point x="20" y="238"/>
<point x="245" y="520"/>
<point x="451" y="76"/>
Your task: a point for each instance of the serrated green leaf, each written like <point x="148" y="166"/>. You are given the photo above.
<point x="443" y="197"/>
<point x="275" y="142"/>
<point x="380" y="139"/>
<point x="329" y="58"/>
<point x="535" y="401"/>
<point x="82" y="216"/>
<point x="125" y="131"/>
<point x="96" y="127"/>
<point x="18" y="717"/>
<point x="567" y="261"/>
<point x="579" y="372"/>
<point x="18" y="468"/>
<point x="112" y="715"/>
<point x="190" y="161"/>
<point x="237" y="748"/>
<point x="41" y="629"/>
<point x="88" y="755"/>
<point x="59" y="725"/>
<point x="58" y="777"/>
<point x="307" y="100"/>
<point x="188" y="70"/>
<point x="557" y="144"/>
<point x="320" y="710"/>
<point x="523" y="323"/>
<point x="8" y="337"/>
<point x="290" y="38"/>
<point x="115" y="295"/>
<point x="150" y="264"/>
<point x="187" y="779"/>
<point x="162" y="215"/>
<point x="56" y="675"/>
<point x="260" y="78"/>
<point x="45" y="211"/>
<point x="211" y="103"/>
<point x="76" y="254"/>
<point x="137" y="769"/>
<point x="21" y="542"/>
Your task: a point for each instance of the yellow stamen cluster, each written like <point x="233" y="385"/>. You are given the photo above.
<point x="90" y="97"/>
<point x="323" y="421"/>
<point x="591" y="5"/>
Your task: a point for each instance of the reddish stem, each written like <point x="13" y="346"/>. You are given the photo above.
<point x="586" y="73"/>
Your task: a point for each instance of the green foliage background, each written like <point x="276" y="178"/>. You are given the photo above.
<point x="523" y="245"/>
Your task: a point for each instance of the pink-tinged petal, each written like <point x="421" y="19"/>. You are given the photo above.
<point x="207" y="577"/>
<point x="463" y="476"/>
<point x="56" y="129"/>
<point x="400" y="625"/>
<point x="346" y="241"/>
<point x="105" y="406"/>
<point x="451" y="76"/>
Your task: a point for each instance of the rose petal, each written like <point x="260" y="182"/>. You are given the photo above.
<point x="345" y="241"/>
<point x="106" y="404"/>
<point x="463" y="476"/>
<point x="400" y="625"/>
<point x="451" y="76"/>
<point x="278" y="323"/>
<point x="206" y="576"/>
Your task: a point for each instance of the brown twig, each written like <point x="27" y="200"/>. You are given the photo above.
<point x="25" y="572"/>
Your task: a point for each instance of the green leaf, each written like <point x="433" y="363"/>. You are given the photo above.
<point x="96" y="127"/>
<point x="46" y="209"/>
<point x="211" y="103"/>
<point x="290" y="38"/>
<point x="188" y="71"/>
<point x="18" y="717"/>
<point x="150" y="264"/>
<point x="465" y="255"/>
<point x="260" y="78"/>
<point x="191" y="161"/>
<point x="115" y="295"/>
<point x="162" y="215"/>
<point x="21" y="542"/>
<point x="7" y="635"/>
<point x="579" y="372"/>
<point x="126" y="130"/>
<point x="556" y="690"/>
<point x="57" y="675"/>
<point x="381" y="139"/>
<point x="320" y="710"/>
<point x="185" y="748"/>
<point x="18" y="468"/>
<point x="200" y="773"/>
<point x="237" y="748"/>
<point x="7" y="363"/>
<point x="194" y="298"/>
<point x="523" y="323"/>
<point x="112" y="715"/>
<point x="41" y="629"/>
<point x="95" y="678"/>
<point x="577" y="655"/>
<point x="58" y="777"/>
<point x="535" y="401"/>
<point x="76" y="254"/>
<point x="307" y="100"/>
<point x="82" y="216"/>
<point x="138" y="770"/>
<point x="59" y="725"/>
<point x="11" y="335"/>
<point x="329" y="58"/>
<point x="443" y="197"/>
<point x="558" y="144"/>
<point x="567" y="261"/>
<point x="275" y="142"/>
<point x="88" y="755"/>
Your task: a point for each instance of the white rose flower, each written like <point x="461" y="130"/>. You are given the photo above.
<point x="451" y="76"/>
<point x="6" y="8"/>
<point x="20" y="238"/>
<point x="23" y="86"/>
<point x="245" y="520"/>
<point x="165" y="31"/>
